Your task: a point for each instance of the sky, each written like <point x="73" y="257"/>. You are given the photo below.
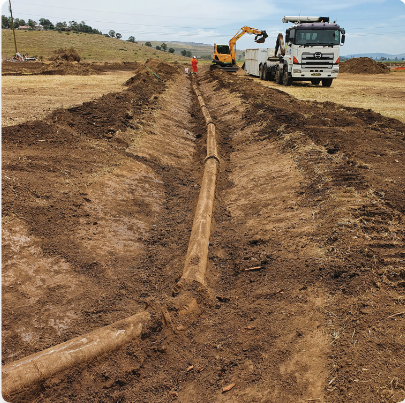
<point x="372" y="26"/>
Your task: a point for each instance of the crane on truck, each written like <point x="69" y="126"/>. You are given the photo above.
<point x="311" y="53"/>
<point x="224" y="56"/>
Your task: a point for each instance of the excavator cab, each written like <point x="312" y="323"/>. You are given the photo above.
<point x="222" y="59"/>
<point x="223" y="49"/>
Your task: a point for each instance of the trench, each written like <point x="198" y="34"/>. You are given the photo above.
<point x="304" y="264"/>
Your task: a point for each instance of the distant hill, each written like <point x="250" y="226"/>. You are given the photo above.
<point x="91" y="47"/>
<point x="200" y="50"/>
<point x="376" y="56"/>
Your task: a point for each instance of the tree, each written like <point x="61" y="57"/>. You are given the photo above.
<point x="184" y="52"/>
<point x="45" y="23"/>
<point x="17" y="22"/>
<point x="5" y="22"/>
<point x="118" y="35"/>
<point x="188" y="53"/>
<point x="131" y="39"/>
<point x="32" y="23"/>
<point x="61" y="25"/>
<point x="171" y="50"/>
<point x="163" y="46"/>
<point x="148" y="44"/>
<point x="158" y="47"/>
<point x="112" y="33"/>
<point x="74" y="25"/>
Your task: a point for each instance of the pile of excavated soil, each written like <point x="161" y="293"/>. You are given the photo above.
<point x="113" y="66"/>
<point x="363" y="65"/>
<point x="63" y="68"/>
<point x="152" y="68"/>
<point x="144" y="76"/>
<point x="163" y="70"/>
<point x="69" y="55"/>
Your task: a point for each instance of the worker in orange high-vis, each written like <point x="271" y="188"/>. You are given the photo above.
<point x="194" y="63"/>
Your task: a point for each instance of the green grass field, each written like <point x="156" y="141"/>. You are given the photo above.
<point x="91" y="48"/>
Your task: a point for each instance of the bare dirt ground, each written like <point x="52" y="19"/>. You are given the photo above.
<point x="98" y="203"/>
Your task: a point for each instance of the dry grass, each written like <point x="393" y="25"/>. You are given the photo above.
<point x="33" y="97"/>
<point x="91" y="48"/>
<point x="383" y="93"/>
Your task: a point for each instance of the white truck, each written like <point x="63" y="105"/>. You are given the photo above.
<point x="310" y="53"/>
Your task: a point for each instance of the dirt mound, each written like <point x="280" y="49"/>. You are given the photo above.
<point x="20" y="68"/>
<point x="363" y="65"/>
<point x="63" y="68"/>
<point x="107" y="66"/>
<point x="153" y="71"/>
<point x="70" y="55"/>
<point x="164" y="70"/>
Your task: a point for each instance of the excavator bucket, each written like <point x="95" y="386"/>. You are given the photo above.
<point x="261" y="37"/>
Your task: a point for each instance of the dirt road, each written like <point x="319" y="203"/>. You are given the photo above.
<point x="306" y="259"/>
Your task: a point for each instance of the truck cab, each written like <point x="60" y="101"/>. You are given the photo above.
<point x="312" y="50"/>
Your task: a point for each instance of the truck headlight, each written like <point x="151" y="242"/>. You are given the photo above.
<point x="296" y="71"/>
<point x="335" y="71"/>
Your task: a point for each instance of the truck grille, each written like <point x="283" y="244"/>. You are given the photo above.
<point x="318" y="60"/>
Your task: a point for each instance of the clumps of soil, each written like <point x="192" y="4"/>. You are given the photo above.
<point x="66" y="62"/>
<point x="363" y="65"/>
<point x="153" y="67"/>
<point x="69" y="55"/>
<point x="63" y="68"/>
<point x="113" y="66"/>
<point x="152" y="71"/>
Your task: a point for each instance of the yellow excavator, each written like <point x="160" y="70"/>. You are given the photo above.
<point x="224" y="56"/>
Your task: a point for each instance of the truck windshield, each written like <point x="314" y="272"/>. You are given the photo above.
<point x="223" y="49"/>
<point x="317" y="37"/>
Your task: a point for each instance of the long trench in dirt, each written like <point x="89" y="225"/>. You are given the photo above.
<point x="306" y="258"/>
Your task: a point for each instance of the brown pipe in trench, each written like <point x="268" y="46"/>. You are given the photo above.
<point x="37" y="367"/>
<point x="197" y="253"/>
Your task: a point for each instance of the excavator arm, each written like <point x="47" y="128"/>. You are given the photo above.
<point x="259" y="38"/>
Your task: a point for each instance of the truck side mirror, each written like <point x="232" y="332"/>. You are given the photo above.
<point x="343" y="39"/>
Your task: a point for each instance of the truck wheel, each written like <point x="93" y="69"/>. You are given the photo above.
<point x="279" y="77"/>
<point x="287" y="80"/>
<point x="261" y="72"/>
<point x="316" y="81"/>
<point x="265" y="73"/>
<point x="327" y="82"/>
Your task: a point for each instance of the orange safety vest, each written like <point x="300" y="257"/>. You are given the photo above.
<point x="194" y="63"/>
